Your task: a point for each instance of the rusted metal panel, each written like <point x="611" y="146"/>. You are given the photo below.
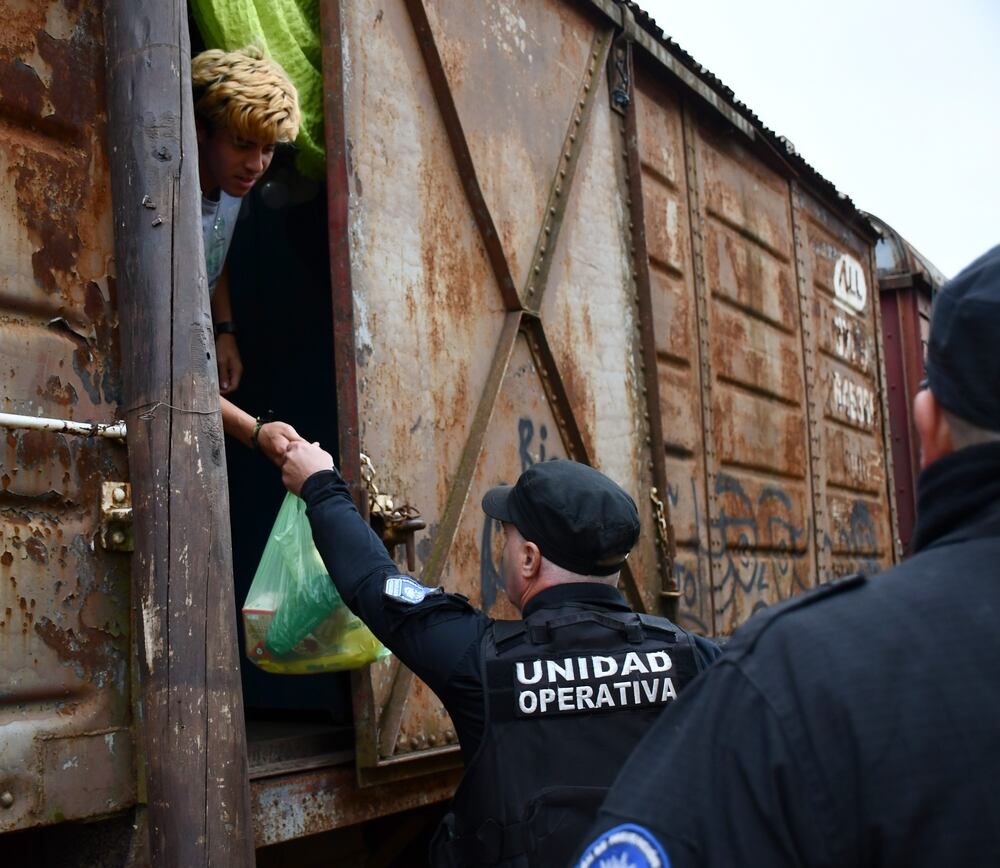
<point x="590" y="317"/>
<point x="622" y="78"/>
<point x="512" y="70"/>
<point x="858" y="531"/>
<point x="742" y="339"/>
<point x="760" y="495"/>
<point x="65" y="747"/>
<point x="905" y="326"/>
<point x="446" y="369"/>
<point x="907" y="281"/>
<point x="296" y="806"/>
<point x="675" y="313"/>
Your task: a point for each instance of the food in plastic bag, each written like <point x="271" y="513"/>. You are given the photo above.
<point x="294" y="620"/>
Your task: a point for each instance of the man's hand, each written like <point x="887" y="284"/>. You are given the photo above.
<point x="302" y="460"/>
<point x="273" y="439"/>
<point x="227" y="354"/>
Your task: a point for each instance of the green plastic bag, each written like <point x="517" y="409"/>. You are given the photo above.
<point x="294" y="620"/>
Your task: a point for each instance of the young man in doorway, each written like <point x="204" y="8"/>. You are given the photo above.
<point x="244" y="106"/>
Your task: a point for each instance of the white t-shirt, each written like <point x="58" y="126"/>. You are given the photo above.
<point x="218" y="222"/>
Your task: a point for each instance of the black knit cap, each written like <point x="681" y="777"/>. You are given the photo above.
<point x="579" y="519"/>
<point x="963" y="351"/>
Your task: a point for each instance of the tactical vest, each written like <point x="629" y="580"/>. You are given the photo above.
<point x="569" y="693"/>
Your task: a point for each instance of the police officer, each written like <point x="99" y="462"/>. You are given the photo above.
<point x="859" y="724"/>
<point x="546" y="708"/>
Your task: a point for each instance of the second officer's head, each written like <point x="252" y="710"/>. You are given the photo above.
<point x="961" y="405"/>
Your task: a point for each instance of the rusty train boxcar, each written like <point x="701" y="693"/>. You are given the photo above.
<point x="550" y="233"/>
<point x="907" y="282"/>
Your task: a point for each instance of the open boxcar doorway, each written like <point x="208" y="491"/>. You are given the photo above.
<point x="279" y="269"/>
<point x="280" y="285"/>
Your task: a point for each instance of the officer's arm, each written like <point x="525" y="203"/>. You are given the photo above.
<point x="430" y="637"/>
<point x="717" y="782"/>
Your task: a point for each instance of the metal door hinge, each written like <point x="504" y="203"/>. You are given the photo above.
<point x="116" y="517"/>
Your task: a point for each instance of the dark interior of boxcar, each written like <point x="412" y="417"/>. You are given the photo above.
<point x="280" y="285"/>
<point x="280" y="288"/>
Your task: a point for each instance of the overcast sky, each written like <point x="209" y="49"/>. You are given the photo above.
<point x="894" y="101"/>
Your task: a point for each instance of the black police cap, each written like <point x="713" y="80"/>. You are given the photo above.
<point x="579" y="519"/>
<point x="963" y="351"/>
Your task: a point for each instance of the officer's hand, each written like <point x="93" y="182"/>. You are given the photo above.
<point x="227" y="354"/>
<point x="302" y="460"/>
<point x="273" y="439"/>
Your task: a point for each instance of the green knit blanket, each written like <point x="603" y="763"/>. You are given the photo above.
<point x="288" y="31"/>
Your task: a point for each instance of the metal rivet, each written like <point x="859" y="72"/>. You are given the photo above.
<point x="562" y="173"/>
<point x="449" y="736"/>
<point x="552" y="210"/>
<point x="577" y="120"/>
<point x="414" y="743"/>
<point x="7" y="800"/>
<point x="538" y="269"/>
<point x="531" y="290"/>
<point x="582" y="103"/>
<point x="432" y="740"/>
<point x="118" y="537"/>
<point x="118" y="495"/>
<point x="559" y="190"/>
<point x="548" y="228"/>
<point x="586" y="89"/>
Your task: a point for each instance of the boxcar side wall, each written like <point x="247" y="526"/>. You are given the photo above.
<point x="769" y="382"/>
<point x="65" y="746"/>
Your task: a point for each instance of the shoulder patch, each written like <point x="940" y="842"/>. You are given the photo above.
<point x="625" y="846"/>
<point x="405" y="589"/>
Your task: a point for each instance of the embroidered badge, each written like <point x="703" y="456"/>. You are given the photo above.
<point x="627" y="846"/>
<point x="407" y="590"/>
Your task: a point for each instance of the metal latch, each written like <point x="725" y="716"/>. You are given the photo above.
<point x="116" y="517"/>
<point x="395" y="522"/>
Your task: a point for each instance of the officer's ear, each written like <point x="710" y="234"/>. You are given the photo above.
<point x="530" y="560"/>
<point x="931" y="422"/>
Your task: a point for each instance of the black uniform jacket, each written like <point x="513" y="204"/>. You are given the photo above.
<point x="438" y="638"/>
<point x="858" y="725"/>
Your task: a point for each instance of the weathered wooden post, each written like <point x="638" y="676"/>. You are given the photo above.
<point x="189" y="721"/>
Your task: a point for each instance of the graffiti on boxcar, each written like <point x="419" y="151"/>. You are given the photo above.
<point x="530" y="451"/>
<point x="695" y="607"/>
<point x="526" y="440"/>
<point x="855" y="535"/>
<point x="763" y="550"/>
<point x="749" y="528"/>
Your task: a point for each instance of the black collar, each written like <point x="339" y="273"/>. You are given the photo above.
<point x="577" y="592"/>
<point x="958" y="497"/>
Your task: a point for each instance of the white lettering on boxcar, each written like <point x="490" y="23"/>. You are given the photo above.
<point x="849" y="284"/>
<point x="853" y="401"/>
<point x="849" y="341"/>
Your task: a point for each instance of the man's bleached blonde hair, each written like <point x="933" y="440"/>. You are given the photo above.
<point x="247" y="93"/>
